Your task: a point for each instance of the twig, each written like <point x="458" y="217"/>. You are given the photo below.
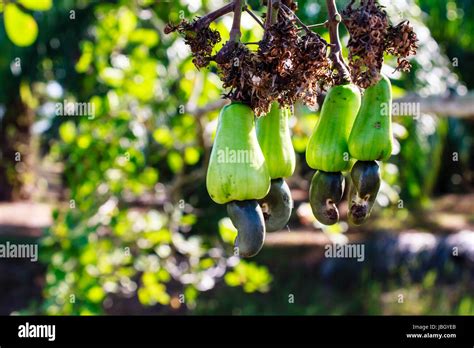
<point x="253" y="15"/>
<point x="334" y="18"/>
<point x="268" y="20"/>
<point x="235" y="32"/>
<point x="291" y="13"/>
<point x="251" y="43"/>
<point x="319" y="25"/>
<point x="204" y="22"/>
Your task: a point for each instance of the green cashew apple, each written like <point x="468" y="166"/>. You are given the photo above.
<point x="247" y="218"/>
<point x="237" y="170"/>
<point x="325" y="192"/>
<point x="327" y="148"/>
<point x="371" y="135"/>
<point x="277" y="206"/>
<point x="365" y="177"/>
<point x="274" y="138"/>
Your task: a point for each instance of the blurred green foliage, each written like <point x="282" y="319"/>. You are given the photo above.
<point x="136" y="219"/>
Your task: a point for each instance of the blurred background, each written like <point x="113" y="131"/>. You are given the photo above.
<point x="114" y="193"/>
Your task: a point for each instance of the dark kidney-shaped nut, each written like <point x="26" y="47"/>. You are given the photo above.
<point x="325" y="192"/>
<point x="365" y="177"/>
<point x="277" y="205"/>
<point x="247" y="218"/>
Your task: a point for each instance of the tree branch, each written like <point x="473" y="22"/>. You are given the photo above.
<point x="334" y="18"/>
<point x="235" y="30"/>
<point x="311" y="26"/>
<point x="291" y="13"/>
<point x="268" y="20"/>
<point x="451" y="106"/>
<point x="204" y="22"/>
<point x="253" y="15"/>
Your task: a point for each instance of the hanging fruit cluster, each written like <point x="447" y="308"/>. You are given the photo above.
<point x="253" y="152"/>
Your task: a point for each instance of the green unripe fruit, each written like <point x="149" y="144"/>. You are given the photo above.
<point x="327" y="148"/>
<point x="274" y="138"/>
<point x="237" y="169"/>
<point x="371" y="136"/>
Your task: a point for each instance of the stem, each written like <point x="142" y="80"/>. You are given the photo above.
<point x="291" y="13"/>
<point x="275" y="7"/>
<point x="204" y="22"/>
<point x="334" y="18"/>
<point x="268" y="20"/>
<point x="319" y="25"/>
<point x="253" y="15"/>
<point x="235" y="30"/>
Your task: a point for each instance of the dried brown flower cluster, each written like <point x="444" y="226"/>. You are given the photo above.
<point x="201" y="40"/>
<point x="367" y="26"/>
<point x="240" y="71"/>
<point x="286" y="67"/>
<point x="313" y="68"/>
<point x="401" y="42"/>
<point x="291" y="4"/>
<point x="371" y="36"/>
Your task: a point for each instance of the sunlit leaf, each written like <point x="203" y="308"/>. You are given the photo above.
<point x="67" y="132"/>
<point x="86" y="58"/>
<point x="188" y="219"/>
<point x="148" y="37"/>
<point x="127" y="20"/>
<point x="175" y="161"/>
<point x="163" y="136"/>
<point x="37" y="5"/>
<point x="191" y="155"/>
<point x="227" y="230"/>
<point x="111" y="76"/>
<point x="84" y="141"/>
<point x="95" y="294"/>
<point x="149" y="177"/>
<point x="21" y="27"/>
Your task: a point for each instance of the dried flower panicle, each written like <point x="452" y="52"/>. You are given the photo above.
<point x="371" y="35"/>
<point x="240" y="71"/>
<point x="288" y="67"/>
<point x="285" y="68"/>
<point x="401" y="42"/>
<point x="367" y="25"/>
<point x="201" y="40"/>
<point x="312" y="68"/>
<point x="291" y="4"/>
<point x="280" y="44"/>
<point x="293" y="66"/>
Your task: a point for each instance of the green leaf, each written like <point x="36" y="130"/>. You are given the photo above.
<point x="86" y="58"/>
<point x="175" y="161"/>
<point x="163" y="136"/>
<point x="84" y="141"/>
<point x="149" y="176"/>
<point x="37" y="5"/>
<point x="148" y="37"/>
<point x="227" y="230"/>
<point x="188" y="220"/>
<point x="112" y="76"/>
<point x="67" y="132"/>
<point x="21" y="27"/>
<point x="127" y="21"/>
<point x="96" y="294"/>
<point x="191" y="155"/>
<point x="232" y="279"/>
